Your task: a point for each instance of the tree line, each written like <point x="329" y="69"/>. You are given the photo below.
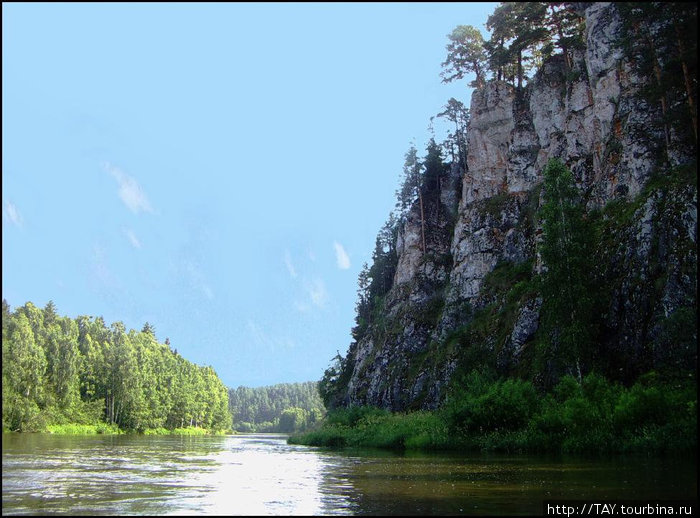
<point x="523" y="36"/>
<point x="285" y="407"/>
<point x="659" y="40"/>
<point x="58" y="370"/>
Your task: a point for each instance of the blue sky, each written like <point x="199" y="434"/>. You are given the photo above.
<point x="218" y="170"/>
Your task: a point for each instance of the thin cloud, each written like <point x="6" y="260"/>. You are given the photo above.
<point x="316" y="290"/>
<point x="132" y="238"/>
<point x="13" y="214"/>
<point x="102" y="279"/>
<point x="256" y="333"/>
<point x="289" y="265"/>
<point x="341" y="256"/>
<point x="262" y="339"/>
<point x="130" y="191"/>
<point x="197" y="280"/>
<point x="301" y="307"/>
<point x="207" y="291"/>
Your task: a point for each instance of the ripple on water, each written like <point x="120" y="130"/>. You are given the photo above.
<point x="262" y="475"/>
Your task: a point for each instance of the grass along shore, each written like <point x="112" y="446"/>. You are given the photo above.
<point x="112" y="429"/>
<point x="488" y="414"/>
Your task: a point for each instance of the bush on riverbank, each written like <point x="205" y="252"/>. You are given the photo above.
<point x="113" y="429"/>
<point x="84" y="429"/>
<point x="157" y="431"/>
<point x="489" y="414"/>
<point x="372" y="427"/>
<point x="190" y="430"/>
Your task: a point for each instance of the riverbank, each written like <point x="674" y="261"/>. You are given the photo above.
<point x="492" y="415"/>
<point x="113" y="429"/>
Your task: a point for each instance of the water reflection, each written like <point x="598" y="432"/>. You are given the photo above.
<point x="419" y="484"/>
<point x="262" y="475"/>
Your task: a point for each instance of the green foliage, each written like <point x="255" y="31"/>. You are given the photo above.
<point x="411" y="181"/>
<point x="190" y="430"/>
<point x="80" y="373"/>
<point x="286" y="407"/>
<point x="482" y="405"/>
<point x="84" y="429"/>
<point x="458" y="114"/>
<point x="293" y="419"/>
<point x="350" y="416"/>
<point x="434" y="169"/>
<point x="465" y="54"/>
<point x="384" y="261"/>
<point x="505" y="276"/>
<point x="420" y="177"/>
<point x="599" y="415"/>
<point x="568" y="287"/>
<point x="334" y="381"/>
<point x="483" y="412"/>
<point x="480" y="341"/>
<point x="431" y="310"/>
<point x="523" y="35"/>
<point x="519" y="32"/>
<point x="330" y="436"/>
<point x="377" y="428"/>
<point x="157" y="431"/>
<point x="659" y="39"/>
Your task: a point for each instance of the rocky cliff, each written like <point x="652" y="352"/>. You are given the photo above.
<point x="468" y="300"/>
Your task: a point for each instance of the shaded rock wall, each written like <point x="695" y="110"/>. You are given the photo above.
<point x="590" y="117"/>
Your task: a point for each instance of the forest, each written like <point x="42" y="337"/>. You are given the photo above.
<point x="63" y="372"/>
<point x="285" y="407"/>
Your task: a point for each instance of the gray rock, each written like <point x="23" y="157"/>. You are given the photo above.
<point x="592" y="118"/>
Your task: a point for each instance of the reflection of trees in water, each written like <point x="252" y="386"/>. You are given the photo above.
<point x="261" y="474"/>
<point x="425" y="484"/>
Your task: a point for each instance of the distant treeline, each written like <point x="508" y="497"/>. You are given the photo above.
<point x="286" y="407"/>
<point x="58" y="370"/>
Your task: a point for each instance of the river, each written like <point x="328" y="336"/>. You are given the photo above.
<point x="263" y="475"/>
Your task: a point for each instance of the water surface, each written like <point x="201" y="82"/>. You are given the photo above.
<point x="262" y="475"/>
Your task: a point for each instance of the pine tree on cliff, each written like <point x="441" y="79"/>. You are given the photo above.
<point x="411" y="187"/>
<point x="458" y="114"/>
<point x="568" y="27"/>
<point x="660" y="41"/>
<point x="527" y="32"/>
<point x="465" y="54"/>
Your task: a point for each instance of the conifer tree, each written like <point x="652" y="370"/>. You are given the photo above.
<point x="458" y="114"/>
<point x="465" y="54"/>
<point x="411" y="187"/>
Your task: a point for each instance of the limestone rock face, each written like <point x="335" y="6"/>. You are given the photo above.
<point x="409" y="249"/>
<point x="653" y="280"/>
<point x="487" y="232"/>
<point x="525" y="327"/>
<point x="588" y="114"/>
<point x="489" y="138"/>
